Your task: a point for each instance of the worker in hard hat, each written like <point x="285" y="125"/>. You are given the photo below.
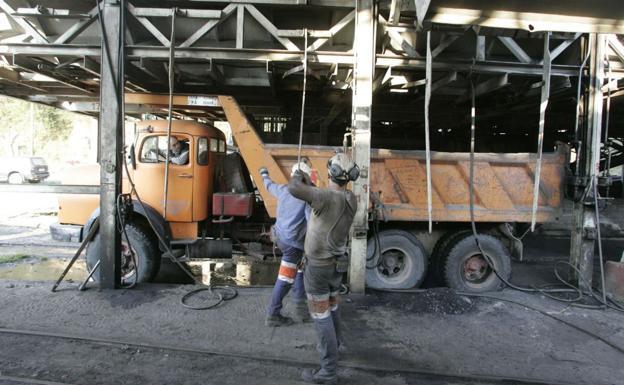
<point x="325" y="258"/>
<point x="288" y="234"/>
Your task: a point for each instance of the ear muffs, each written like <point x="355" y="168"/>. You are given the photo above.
<point x="336" y="172"/>
<point x="354" y="173"/>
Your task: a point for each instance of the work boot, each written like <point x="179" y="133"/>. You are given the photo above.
<point x="316" y="376"/>
<point x="302" y="312"/>
<point x="278" y="320"/>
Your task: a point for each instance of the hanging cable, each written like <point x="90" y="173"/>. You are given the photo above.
<point x="578" y="99"/>
<point x="597" y="215"/>
<point x="606" y="137"/>
<point x="303" y="94"/>
<point x="170" y="109"/>
<point x="542" y="122"/>
<point x="427" y="139"/>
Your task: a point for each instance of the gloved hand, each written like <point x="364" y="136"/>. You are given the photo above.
<point x="263" y="171"/>
<point x="302" y="176"/>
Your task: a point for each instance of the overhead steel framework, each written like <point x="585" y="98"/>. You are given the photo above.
<point x="369" y="63"/>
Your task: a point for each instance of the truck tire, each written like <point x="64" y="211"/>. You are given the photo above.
<point x="145" y="249"/>
<point x="465" y="269"/>
<point x="439" y="254"/>
<point x="16" y="178"/>
<point x="402" y="263"/>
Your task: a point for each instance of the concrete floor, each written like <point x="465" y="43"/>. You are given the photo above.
<point x="392" y="338"/>
<point x="429" y="337"/>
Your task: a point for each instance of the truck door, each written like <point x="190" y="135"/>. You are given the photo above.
<point x="209" y="153"/>
<point x="150" y="175"/>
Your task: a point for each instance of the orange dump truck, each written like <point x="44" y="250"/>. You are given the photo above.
<point x="212" y="196"/>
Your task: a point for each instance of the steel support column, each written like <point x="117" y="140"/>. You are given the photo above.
<point x="364" y="70"/>
<point x="111" y="161"/>
<point x="584" y="230"/>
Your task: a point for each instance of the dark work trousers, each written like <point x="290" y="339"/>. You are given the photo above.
<point x="289" y="276"/>
<point x="323" y="288"/>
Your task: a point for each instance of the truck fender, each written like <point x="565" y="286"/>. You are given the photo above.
<point x="160" y="225"/>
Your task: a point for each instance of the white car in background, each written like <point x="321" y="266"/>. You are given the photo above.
<point x="20" y="169"/>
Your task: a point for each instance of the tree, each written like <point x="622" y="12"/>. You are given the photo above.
<point x="13" y="124"/>
<point x="32" y="128"/>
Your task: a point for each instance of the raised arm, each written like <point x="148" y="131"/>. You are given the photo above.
<point x="301" y="188"/>
<point x="271" y="186"/>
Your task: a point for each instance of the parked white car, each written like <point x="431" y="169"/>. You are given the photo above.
<point x="20" y="169"/>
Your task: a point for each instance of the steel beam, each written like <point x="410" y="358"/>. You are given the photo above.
<point x="584" y="224"/>
<point x="395" y="12"/>
<point x="240" y="26"/>
<point x="480" y="48"/>
<point x="260" y="18"/>
<point x="149" y="26"/>
<point x="209" y="26"/>
<point x="364" y="69"/>
<point x="446" y="41"/>
<point x="333" y="31"/>
<point x="25" y="24"/>
<point x="617" y="47"/>
<point x="397" y="39"/>
<point x="264" y="55"/>
<point x="111" y="161"/>
<point x="562" y="47"/>
<point x="485" y="87"/>
<point x="515" y="49"/>
<point x="188" y="13"/>
<point x="78" y="28"/>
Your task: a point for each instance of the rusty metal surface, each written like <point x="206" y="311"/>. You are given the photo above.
<point x="503" y="182"/>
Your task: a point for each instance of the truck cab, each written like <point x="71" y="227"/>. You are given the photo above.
<point x="177" y="219"/>
<point x="190" y="185"/>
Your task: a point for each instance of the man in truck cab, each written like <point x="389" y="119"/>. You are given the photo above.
<point x="288" y="234"/>
<point x="325" y="258"/>
<point x="178" y="151"/>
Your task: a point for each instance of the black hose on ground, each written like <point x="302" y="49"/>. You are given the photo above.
<point x="591" y="294"/>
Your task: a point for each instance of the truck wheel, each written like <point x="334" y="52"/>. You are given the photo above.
<point x="401" y="264"/>
<point x="145" y="250"/>
<point x="467" y="270"/>
<point x="440" y="251"/>
<point x="16" y="178"/>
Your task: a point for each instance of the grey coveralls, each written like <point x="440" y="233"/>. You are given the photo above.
<point x="326" y="238"/>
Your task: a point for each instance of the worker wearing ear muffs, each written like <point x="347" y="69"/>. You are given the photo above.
<point x="325" y="260"/>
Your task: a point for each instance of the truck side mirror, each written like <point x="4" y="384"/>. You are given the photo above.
<point x="132" y="157"/>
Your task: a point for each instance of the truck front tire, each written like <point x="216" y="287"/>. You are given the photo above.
<point x="145" y="249"/>
<point x="401" y="262"/>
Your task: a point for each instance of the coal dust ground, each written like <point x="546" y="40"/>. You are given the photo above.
<point x="144" y="335"/>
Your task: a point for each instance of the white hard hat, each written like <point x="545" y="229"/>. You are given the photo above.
<point x="303" y="166"/>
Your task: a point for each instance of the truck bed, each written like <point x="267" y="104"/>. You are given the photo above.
<point x="503" y="182"/>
